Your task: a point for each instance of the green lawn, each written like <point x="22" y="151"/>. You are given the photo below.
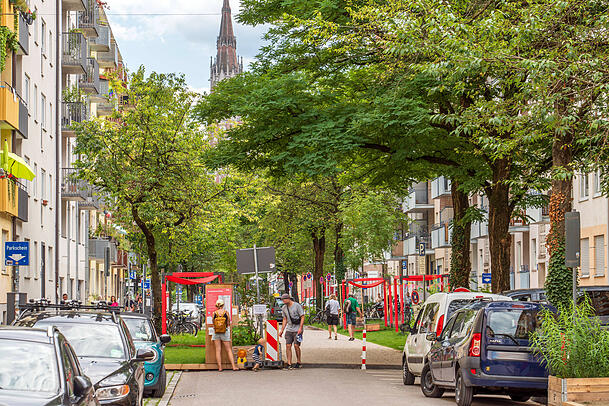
<point x="188" y="339"/>
<point x="386" y="336"/>
<point x="184" y="355"/>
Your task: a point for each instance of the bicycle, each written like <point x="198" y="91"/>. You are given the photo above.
<point x="319" y="317"/>
<point x="179" y="323"/>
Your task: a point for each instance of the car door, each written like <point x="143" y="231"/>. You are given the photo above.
<point x="459" y="332"/>
<point x="421" y="345"/>
<point x="439" y="352"/>
<point x="88" y="399"/>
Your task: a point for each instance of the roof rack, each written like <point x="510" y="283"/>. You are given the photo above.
<point x="44" y="304"/>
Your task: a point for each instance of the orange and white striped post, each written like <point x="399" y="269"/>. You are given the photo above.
<point x="364" y="346"/>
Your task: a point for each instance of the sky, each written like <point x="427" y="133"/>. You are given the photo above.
<point x="176" y="43"/>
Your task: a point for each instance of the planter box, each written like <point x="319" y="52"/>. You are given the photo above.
<point x="577" y="390"/>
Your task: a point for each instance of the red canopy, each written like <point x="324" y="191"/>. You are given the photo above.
<point x="198" y="281"/>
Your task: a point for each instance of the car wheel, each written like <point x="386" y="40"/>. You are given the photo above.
<point x="407" y="376"/>
<point x="520" y="397"/>
<point x="427" y="386"/>
<point x="159" y="391"/>
<point x="463" y="394"/>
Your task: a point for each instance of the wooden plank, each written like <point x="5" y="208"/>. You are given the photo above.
<point x="587" y="396"/>
<point x="596" y="381"/>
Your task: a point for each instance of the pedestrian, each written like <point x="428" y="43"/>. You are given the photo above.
<point x="333" y="313"/>
<point x="293" y="324"/>
<point x="221" y="336"/>
<point x="258" y="353"/>
<point x="351" y="308"/>
<point x="113" y="302"/>
<point x="64" y="298"/>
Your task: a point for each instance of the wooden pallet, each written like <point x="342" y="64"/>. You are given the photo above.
<point x="573" y="391"/>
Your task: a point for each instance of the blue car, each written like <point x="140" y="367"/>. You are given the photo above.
<point x="144" y="336"/>
<point x="484" y="349"/>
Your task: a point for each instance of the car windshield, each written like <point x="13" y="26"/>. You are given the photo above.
<point x="92" y="340"/>
<point x="28" y="367"/>
<point x="455" y="305"/>
<point x="140" y="329"/>
<point x="513" y="324"/>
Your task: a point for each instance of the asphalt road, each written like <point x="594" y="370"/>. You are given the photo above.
<point x="308" y="386"/>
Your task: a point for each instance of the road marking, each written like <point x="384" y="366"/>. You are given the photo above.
<point x="171" y="387"/>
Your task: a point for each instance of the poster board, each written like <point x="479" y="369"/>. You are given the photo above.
<point x="213" y="293"/>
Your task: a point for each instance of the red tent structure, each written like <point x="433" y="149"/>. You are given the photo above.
<point x="183" y="278"/>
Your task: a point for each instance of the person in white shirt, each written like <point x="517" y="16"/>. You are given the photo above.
<point x="332" y="313"/>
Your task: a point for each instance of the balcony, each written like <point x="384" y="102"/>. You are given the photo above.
<point x="88" y="20"/>
<point x="89" y="82"/>
<point x="412" y="241"/>
<point x="519" y="225"/>
<point x="74" y="5"/>
<point x="109" y="59"/>
<point x="440" y="187"/>
<point x="479" y="230"/>
<point x="102" y="42"/>
<point x="441" y="235"/>
<point x="72" y="113"/>
<point x="24" y="37"/>
<point x="72" y="188"/>
<point x="9" y="107"/>
<point x="23" y="206"/>
<point x="104" y="91"/>
<point x="97" y="250"/>
<point x="9" y="197"/>
<point x="74" y="56"/>
<point x="92" y="202"/>
<point x="418" y="199"/>
<point x="23" y="119"/>
<point x="122" y="259"/>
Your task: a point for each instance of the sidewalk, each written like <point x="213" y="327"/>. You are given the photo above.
<point x="317" y="350"/>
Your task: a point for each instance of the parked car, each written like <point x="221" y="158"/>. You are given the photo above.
<point x="485" y="348"/>
<point x="276" y="310"/>
<point x="103" y="345"/>
<point x="527" y="295"/>
<point x="31" y="374"/>
<point x="144" y="336"/>
<point x="431" y="317"/>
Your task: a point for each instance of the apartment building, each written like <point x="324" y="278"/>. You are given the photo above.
<point x="55" y="78"/>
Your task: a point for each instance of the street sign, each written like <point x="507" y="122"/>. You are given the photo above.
<point x="259" y="309"/>
<point x="329" y="277"/>
<point x="321" y="280"/>
<point x="415" y="297"/>
<point x="486" y="278"/>
<point x="199" y="300"/>
<point x="247" y="265"/>
<point x="147" y="284"/>
<point x="404" y="264"/>
<point x="291" y="284"/>
<point x="132" y="275"/>
<point x="17" y="253"/>
<point x="422" y="249"/>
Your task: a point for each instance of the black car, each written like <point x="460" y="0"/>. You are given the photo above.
<point x="39" y="368"/>
<point x="527" y="295"/>
<point x="103" y="345"/>
<point x="485" y="348"/>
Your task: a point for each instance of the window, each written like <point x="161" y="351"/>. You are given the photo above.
<point x="51" y="119"/>
<point x="35" y="24"/>
<point x="51" y="47"/>
<point x="599" y="255"/>
<point x="585" y="256"/>
<point x="35" y="260"/>
<point x="43" y="184"/>
<point x="43" y="110"/>
<point x="597" y="183"/>
<point x="446" y="332"/>
<point x="26" y="90"/>
<point x="43" y="37"/>
<point x="4" y="240"/>
<point x="35" y="181"/>
<point x="35" y="114"/>
<point x="428" y="320"/>
<point x="584" y="186"/>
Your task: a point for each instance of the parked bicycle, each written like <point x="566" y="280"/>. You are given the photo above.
<point x="317" y="318"/>
<point x="375" y="311"/>
<point x="180" y="323"/>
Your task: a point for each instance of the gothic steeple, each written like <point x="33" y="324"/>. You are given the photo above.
<point x="227" y="63"/>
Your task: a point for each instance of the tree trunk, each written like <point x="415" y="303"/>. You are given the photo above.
<point x="319" y="247"/>
<point x="294" y="280"/>
<point x="559" y="280"/>
<point x="499" y="216"/>
<point x="155" y="277"/>
<point x="460" y="264"/>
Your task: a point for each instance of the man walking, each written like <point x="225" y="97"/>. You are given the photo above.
<point x="352" y="308"/>
<point x="293" y="324"/>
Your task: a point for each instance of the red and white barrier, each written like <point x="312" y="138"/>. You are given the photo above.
<point x="272" y="340"/>
<point x="364" y="347"/>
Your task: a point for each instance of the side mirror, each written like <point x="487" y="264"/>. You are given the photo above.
<point x="165" y="338"/>
<point x="431" y="337"/>
<point x="143" y="355"/>
<point x="82" y="386"/>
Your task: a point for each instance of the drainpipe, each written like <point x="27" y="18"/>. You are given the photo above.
<point x="58" y="139"/>
<point x="87" y="262"/>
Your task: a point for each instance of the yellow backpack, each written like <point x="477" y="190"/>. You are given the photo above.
<point x="220" y="322"/>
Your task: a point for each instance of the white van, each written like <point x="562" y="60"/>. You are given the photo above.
<point x="436" y="310"/>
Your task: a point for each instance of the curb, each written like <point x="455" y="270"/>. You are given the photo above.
<point x="171" y="387"/>
<point x="353" y="366"/>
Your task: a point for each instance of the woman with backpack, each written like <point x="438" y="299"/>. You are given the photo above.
<point x="221" y="336"/>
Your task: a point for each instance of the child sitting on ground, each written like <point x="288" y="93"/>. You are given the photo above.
<point x="258" y="354"/>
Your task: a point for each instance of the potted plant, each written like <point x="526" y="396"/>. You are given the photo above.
<point x="575" y="347"/>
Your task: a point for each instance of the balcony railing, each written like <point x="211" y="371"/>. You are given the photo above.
<point x="412" y="242"/>
<point x="24" y="121"/>
<point x="23" y="210"/>
<point x="74" y="5"/>
<point x="109" y="59"/>
<point x="418" y="198"/>
<point x="88" y="20"/>
<point x="479" y="230"/>
<point x="440" y="187"/>
<point x="441" y="236"/>
<point x="97" y="249"/>
<point x="73" y="188"/>
<point x="89" y="82"/>
<point x="101" y="43"/>
<point x="92" y="202"/>
<point x="74" y="56"/>
<point x="24" y="36"/>
<point x="72" y="113"/>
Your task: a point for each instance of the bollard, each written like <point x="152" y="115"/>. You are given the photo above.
<point x="364" y="346"/>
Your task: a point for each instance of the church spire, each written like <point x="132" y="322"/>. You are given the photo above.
<point x="227" y="63"/>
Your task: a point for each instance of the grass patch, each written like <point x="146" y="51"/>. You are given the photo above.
<point x="188" y="339"/>
<point x="386" y="337"/>
<point x="184" y="355"/>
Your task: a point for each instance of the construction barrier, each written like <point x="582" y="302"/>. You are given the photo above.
<point x="272" y="340"/>
<point x="364" y="346"/>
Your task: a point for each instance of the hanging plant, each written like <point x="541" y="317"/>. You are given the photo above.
<point x="12" y="188"/>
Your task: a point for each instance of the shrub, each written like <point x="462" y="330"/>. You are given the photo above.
<point x="573" y="343"/>
<point x="245" y="333"/>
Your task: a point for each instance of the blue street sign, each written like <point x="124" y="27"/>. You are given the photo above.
<point x="17" y="253"/>
<point x="132" y="275"/>
<point x="147" y="284"/>
<point x="422" y="249"/>
<point x="179" y="290"/>
<point x="486" y="278"/>
<point x="404" y="264"/>
<point x="199" y="300"/>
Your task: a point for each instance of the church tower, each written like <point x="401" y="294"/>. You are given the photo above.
<point x="226" y="64"/>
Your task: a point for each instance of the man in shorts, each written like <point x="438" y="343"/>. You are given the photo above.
<point x="293" y="322"/>
<point x="352" y="308"/>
